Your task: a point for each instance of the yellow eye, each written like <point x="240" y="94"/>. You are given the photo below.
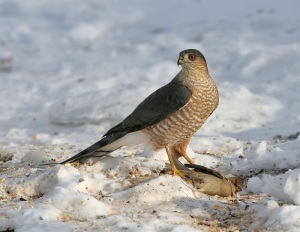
<point x="191" y="57"/>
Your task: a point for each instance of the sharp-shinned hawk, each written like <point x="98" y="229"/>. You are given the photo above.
<point x="169" y="117"/>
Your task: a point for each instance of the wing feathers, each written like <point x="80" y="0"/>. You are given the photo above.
<point x="156" y="107"/>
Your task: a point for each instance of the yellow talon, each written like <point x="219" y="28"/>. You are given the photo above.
<point x="175" y="170"/>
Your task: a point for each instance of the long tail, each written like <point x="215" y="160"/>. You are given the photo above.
<point x="96" y="148"/>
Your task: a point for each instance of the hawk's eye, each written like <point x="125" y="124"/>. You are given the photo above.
<point x="191" y="57"/>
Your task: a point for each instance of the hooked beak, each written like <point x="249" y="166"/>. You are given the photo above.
<point x="180" y="59"/>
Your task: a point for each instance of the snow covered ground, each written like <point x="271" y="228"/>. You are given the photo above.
<point x="70" y="70"/>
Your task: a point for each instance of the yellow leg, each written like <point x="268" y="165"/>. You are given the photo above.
<point x="181" y="151"/>
<point x="175" y="170"/>
<point x="188" y="159"/>
<point x="178" y="154"/>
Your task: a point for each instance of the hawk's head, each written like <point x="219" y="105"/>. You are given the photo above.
<point x="191" y="57"/>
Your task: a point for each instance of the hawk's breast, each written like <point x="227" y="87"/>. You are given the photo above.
<point x="184" y="123"/>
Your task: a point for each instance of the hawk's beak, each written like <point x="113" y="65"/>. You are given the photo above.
<point x="180" y="60"/>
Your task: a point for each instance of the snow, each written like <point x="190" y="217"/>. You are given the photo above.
<point x="70" y="70"/>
